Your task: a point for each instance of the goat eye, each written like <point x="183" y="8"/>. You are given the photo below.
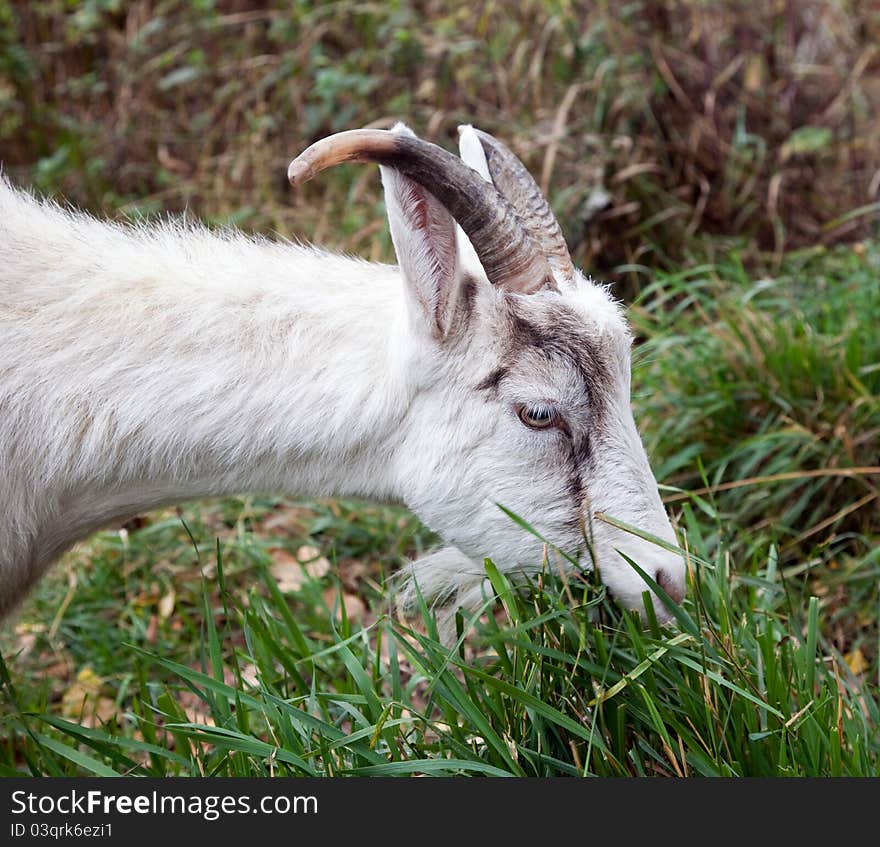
<point x="538" y="416"/>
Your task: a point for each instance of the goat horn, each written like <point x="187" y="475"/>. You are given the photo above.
<point x="514" y="181"/>
<point x="507" y="251"/>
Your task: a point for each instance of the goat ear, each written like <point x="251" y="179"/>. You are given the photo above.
<point x="471" y="151"/>
<point x="424" y="236"/>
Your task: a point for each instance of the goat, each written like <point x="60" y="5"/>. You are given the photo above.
<point x="143" y="366"/>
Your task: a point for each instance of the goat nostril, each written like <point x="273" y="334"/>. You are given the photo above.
<point x="674" y="589"/>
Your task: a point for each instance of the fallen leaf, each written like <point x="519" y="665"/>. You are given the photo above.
<point x="249" y="674"/>
<point x="152" y="630"/>
<point x="353" y="571"/>
<point x="83" y="701"/>
<point x="291" y="572"/>
<point x="166" y="605"/>
<point x="856" y="661"/>
<point x="27" y="636"/>
<point x="315" y="564"/>
<point x="289" y="518"/>
<point x="87" y="682"/>
<point x="26" y="643"/>
<point x="197" y="715"/>
<point x="355" y="608"/>
<point x="286" y="571"/>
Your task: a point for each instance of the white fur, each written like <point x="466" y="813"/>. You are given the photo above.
<point x="143" y="366"/>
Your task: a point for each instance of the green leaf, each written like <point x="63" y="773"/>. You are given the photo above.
<point x="806" y="139"/>
<point x="79" y="758"/>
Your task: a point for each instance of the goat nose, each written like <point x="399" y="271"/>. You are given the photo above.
<point x="672" y="586"/>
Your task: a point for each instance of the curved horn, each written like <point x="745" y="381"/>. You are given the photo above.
<point x="506" y="250"/>
<point x="514" y="181"/>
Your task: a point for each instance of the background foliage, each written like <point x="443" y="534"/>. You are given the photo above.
<point x="654" y="122"/>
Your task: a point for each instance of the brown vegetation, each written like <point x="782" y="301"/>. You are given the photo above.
<point x="651" y="124"/>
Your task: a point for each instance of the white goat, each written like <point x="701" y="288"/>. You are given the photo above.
<point x="145" y="366"/>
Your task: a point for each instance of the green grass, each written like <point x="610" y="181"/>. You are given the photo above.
<point x="169" y="649"/>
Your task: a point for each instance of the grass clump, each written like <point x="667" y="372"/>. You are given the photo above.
<point x="748" y="686"/>
<point x="770" y="396"/>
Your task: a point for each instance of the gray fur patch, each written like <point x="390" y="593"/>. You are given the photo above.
<point x="555" y="332"/>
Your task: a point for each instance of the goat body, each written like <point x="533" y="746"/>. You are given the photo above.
<point x="146" y="366"/>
